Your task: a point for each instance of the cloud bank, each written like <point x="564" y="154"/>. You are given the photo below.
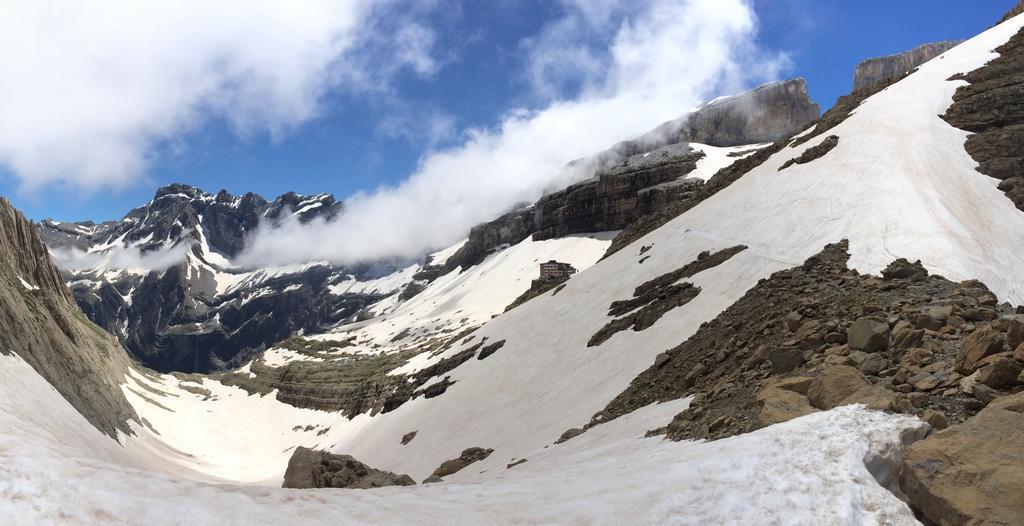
<point x="120" y="257"/>
<point x="607" y="70"/>
<point x="91" y="91"/>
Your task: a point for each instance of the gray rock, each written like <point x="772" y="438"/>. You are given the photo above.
<point x="874" y="70"/>
<point x="869" y="334"/>
<point x="308" y="468"/>
<point x="785" y="360"/>
<point x="468" y="456"/>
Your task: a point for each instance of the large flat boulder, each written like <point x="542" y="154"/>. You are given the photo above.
<point x="972" y="473"/>
<point x="781" y="405"/>
<point x="834" y="385"/>
<point x="309" y="468"/>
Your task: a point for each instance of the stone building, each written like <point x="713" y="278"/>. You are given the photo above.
<point x="556" y="271"/>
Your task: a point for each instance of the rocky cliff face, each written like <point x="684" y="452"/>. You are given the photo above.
<point x="990" y="107"/>
<point x="201" y="314"/>
<point x="765" y="114"/>
<point x="609" y="201"/>
<point x="875" y="70"/>
<point x="40" y="322"/>
<point x="1018" y="9"/>
<point x="641" y="177"/>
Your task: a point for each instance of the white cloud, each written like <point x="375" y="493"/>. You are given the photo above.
<point x="90" y="91"/>
<point x="120" y="257"/>
<point x="658" y="60"/>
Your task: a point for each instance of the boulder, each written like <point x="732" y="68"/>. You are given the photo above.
<point x="834" y="385"/>
<point x="903" y="269"/>
<point x="309" y="468"/>
<point x="878" y="399"/>
<point x="972" y="473"/>
<point x="797" y="384"/>
<point x="977" y="345"/>
<point x="874" y="364"/>
<point x="905" y="337"/>
<point x="785" y="360"/>
<point x="780" y="405"/>
<point x="569" y="434"/>
<point x="937" y="420"/>
<point x="1001" y="372"/>
<point x="927" y="381"/>
<point x="1015" y="332"/>
<point x="468" y="456"/>
<point x="869" y="334"/>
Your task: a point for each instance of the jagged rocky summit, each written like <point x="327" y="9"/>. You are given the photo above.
<point x="201" y="314"/>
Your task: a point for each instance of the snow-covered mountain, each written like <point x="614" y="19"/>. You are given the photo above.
<point x="834" y="311"/>
<point x="162" y="279"/>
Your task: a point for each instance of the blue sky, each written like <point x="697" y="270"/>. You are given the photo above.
<point x="358" y="140"/>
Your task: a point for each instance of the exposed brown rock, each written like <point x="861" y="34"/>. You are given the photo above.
<point x="869" y="334"/>
<point x="569" y="434"/>
<point x="727" y="364"/>
<point x="813" y="153"/>
<point x="308" y="468"/>
<point x="448" y="467"/>
<point x="780" y="405"/>
<point x="834" y="385"/>
<point x="972" y="473"/>
<point x="981" y="343"/>
<point x="1001" y="372"/>
<point x="990" y="106"/>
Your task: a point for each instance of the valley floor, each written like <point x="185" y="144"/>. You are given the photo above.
<point x="57" y="469"/>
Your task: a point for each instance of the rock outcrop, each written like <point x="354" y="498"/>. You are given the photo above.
<point x="1017" y="9"/>
<point x="829" y="336"/>
<point x="308" y="468"/>
<point x="448" y="467"/>
<point x="619" y="193"/>
<point x="972" y="473"/>
<point x="40" y="322"/>
<point x="813" y="153"/>
<point x="990" y="106"/>
<point x="642" y="177"/>
<point x="768" y="113"/>
<point x="879" y="69"/>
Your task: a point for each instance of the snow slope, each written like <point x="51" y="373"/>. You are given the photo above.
<point x="57" y="469"/>
<point x="470" y="297"/>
